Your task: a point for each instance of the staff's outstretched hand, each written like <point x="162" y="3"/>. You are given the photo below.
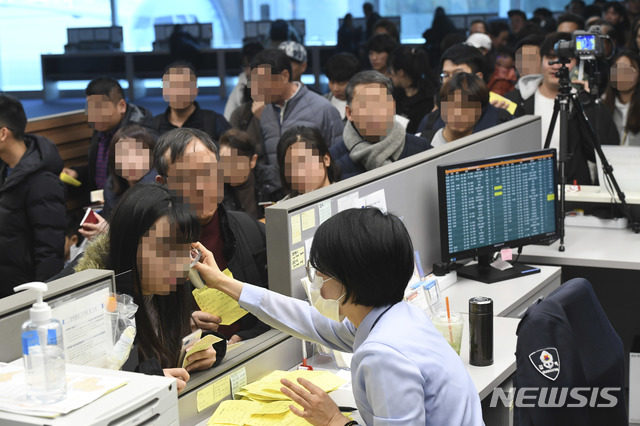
<point x="207" y="267"/>
<point x="213" y="277"/>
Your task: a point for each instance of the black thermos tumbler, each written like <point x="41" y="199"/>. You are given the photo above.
<point x="480" y="331"/>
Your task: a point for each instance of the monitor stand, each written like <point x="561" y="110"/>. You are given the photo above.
<point x="484" y="272"/>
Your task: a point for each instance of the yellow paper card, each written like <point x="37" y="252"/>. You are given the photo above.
<point x="200" y="345"/>
<point x="296" y="232"/>
<point x="233" y="412"/>
<point x="69" y="180"/>
<point x="297" y="258"/>
<point x="204" y="398"/>
<point x="215" y="302"/>
<point x="308" y="219"/>
<point x="221" y="389"/>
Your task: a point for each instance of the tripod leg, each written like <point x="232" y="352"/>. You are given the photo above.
<point x="552" y="125"/>
<point x="608" y="170"/>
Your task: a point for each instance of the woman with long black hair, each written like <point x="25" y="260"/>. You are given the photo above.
<point x="150" y="235"/>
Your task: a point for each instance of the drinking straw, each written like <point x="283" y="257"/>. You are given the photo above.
<point x="449" y="318"/>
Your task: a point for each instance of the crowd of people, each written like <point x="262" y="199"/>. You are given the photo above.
<point x="191" y="174"/>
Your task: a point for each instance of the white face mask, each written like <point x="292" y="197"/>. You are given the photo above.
<point x="330" y="308"/>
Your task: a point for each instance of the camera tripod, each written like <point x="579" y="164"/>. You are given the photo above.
<point x="562" y="107"/>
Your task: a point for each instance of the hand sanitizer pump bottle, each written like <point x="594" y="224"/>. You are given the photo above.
<point x="43" y="352"/>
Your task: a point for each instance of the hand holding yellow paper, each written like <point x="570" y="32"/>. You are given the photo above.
<point x="265" y="405"/>
<point x="200" y="345"/>
<point x="215" y="302"/>
<point x="69" y="180"/>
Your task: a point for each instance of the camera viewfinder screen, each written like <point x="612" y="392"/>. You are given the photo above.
<point x="585" y="42"/>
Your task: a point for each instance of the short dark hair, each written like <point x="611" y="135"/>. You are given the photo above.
<point x="470" y="85"/>
<point x="381" y="43"/>
<point x="517" y="12"/>
<point x="530" y="40"/>
<point x="505" y="51"/>
<point x="72" y="225"/>
<point x="342" y="66"/>
<point x="546" y="48"/>
<point x="464" y="54"/>
<point x="105" y="86"/>
<point x="618" y="8"/>
<point x="367" y="7"/>
<point x="572" y="17"/>
<point x="177" y="140"/>
<point x="183" y="65"/>
<point x="309" y="135"/>
<point x="497" y="27"/>
<point x="239" y="140"/>
<point x="12" y="116"/>
<point x="140" y="134"/>
<point x="367" y="77"/>
<point x="369" y="252"/>
<point x="480" y="21"/>
<point x="249" y="51"/>
<point x="277" y="60"/>
<point x="543" y="11"/>
<point x="279" y="30"/>
<point x="390" y="27"/>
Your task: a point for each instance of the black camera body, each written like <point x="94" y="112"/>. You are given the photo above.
<point x="583" y="45"/>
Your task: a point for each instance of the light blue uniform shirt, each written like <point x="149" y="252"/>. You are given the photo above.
<point x="403" y="372"/>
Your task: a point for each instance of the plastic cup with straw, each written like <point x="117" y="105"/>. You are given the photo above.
<point x="450" y="326"/>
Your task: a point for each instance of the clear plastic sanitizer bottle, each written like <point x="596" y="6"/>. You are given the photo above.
<point x="43" y="352"/>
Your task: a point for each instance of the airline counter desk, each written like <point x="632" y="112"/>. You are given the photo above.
<point x="511" y="298"/>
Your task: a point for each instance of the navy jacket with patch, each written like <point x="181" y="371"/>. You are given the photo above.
<point x="570" y="332"/>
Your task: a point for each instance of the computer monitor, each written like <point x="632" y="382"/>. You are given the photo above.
<point x="81" y="329"/>
<point x="496" y="203"/>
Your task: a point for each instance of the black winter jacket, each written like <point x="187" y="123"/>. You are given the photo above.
<point x="32" y="216"/>
<point x="267" y="185"/>
<point x="245" y="248"/>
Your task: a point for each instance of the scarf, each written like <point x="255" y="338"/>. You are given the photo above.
<point x="373" y="155"/>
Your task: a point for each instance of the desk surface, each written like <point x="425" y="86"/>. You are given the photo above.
<point x="507" y="295"/>
<point x="590" y="247"/>
<point x="141" y="398"/>
<point x="594" y="194"/>
<point x="488" y="378"/>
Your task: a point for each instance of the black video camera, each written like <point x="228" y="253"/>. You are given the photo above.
<point x="583" y="45"/>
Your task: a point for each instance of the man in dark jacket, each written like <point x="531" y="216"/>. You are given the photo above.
<point x="187" y="161"/>
<point x="491" y="116"/>
<point x="458" y="58"/>
<point x="537" y="97"/>
<point x="179" y="90"/>
<point x="107" y="111"/>
<point x="32" y="209"/>
<point x="371" y="137"/>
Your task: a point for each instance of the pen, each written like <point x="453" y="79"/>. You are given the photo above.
<point x="346" y="409"/>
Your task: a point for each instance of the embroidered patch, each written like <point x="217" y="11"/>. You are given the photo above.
<point x="547" y="362"/>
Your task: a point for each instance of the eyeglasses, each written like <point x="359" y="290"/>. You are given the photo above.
<point x="446" y="76"/>
<point x="311" y="274"/>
